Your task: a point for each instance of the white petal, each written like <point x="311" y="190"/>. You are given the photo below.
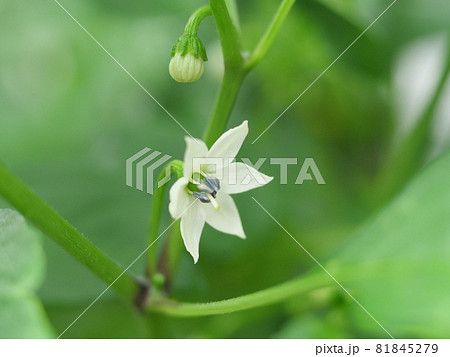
<point x="194" y="149"/>
<point x="191" y="227"/>
<point x="186" y="68"/>
<point x="179" y="198"/>
<point x="229" y="143"/>
<point x="239" y="177"/>
<point x="226" y="219"/>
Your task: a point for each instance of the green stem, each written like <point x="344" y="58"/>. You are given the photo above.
<point x="228" y="34"/>
<point x="32" y="207"/>
<point x="170" y="256"/>
<point x="234" y="71"/>
<point x="196" y="18"/>
<point x="175" y="249"/>
<point x="234" y="14"/>
<point x="176" y="167"/>
<point x="229" y="89"/>
<point x="261" y="298"/>
<point x="270" y="34"/>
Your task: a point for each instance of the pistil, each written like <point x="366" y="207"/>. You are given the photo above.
<point x="213" y="201"/>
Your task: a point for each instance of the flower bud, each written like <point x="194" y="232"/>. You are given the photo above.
<point x="186" y="68"/>
<point x="188" y="55"/>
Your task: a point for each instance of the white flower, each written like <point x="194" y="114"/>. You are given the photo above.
<point x="209" y="177"/>
<point x="187" y="68"/>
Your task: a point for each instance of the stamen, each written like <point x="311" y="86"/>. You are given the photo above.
<point x="213" y="182"/>
<point x="203" y="197"/>
<point x="207" y="190"/>
<point x="205" y="187"/>
<point x="209" y="185"/>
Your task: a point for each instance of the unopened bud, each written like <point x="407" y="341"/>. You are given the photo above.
<point x="188" y="55"/>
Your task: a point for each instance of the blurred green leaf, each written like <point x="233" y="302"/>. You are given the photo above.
<point x="21" y="256"/>
<point x="401" y="261"/>
<point x="21" y="272"/>
<point x="23" y="317"/>
<point x="312" y="326"/>
<point x="113" y="318"/>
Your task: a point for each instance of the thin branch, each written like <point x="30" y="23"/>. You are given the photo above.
<point x="261" y="298"/>
<point x="270" y="34"/>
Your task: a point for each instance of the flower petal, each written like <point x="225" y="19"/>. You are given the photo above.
<point x="195" y="148"/>
<point x="179" y="198"/>
<point x="229" y="143"/>
<point x="226" y="219"/>
<point x="239" y="177"/>
<point x="192" y="223"/>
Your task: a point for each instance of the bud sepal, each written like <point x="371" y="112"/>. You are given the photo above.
<point x="189" y="43"/>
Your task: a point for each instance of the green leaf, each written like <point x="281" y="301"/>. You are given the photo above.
<point x="21" y="272"/>
<point x="399" y="263"/>
<point x="311" y="326"/>
<point x="23" y="317"/>
<point x="21" y="257"/>
<point x="113" y="318"/>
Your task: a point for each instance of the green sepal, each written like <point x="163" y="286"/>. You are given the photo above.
<point x="177" y="167"/>
<point x="189" y="43"/>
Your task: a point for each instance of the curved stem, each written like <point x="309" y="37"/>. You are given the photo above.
<point x="33" y="208"/>
<point x="269" y="35"/>
<point x="261" y="298"/>
<point x="195" y="19"/>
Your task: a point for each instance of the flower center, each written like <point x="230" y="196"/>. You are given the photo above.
<point x="206" y="189"/>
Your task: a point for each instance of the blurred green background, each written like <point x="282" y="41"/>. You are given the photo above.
<point x="69" y="118"/>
